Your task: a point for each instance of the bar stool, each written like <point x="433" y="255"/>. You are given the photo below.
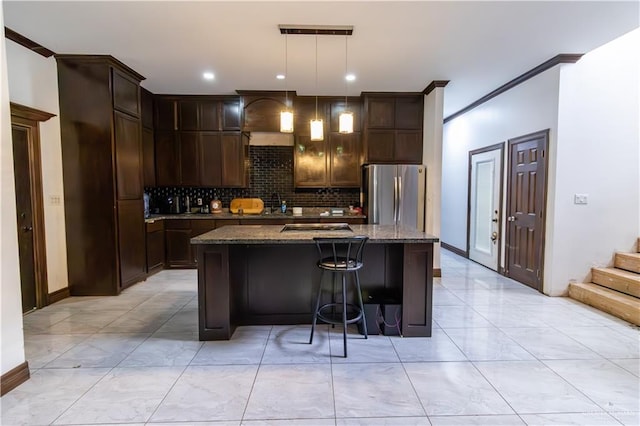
<point x="340" y="256"/>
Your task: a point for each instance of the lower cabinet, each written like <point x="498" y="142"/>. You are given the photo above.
<point x="155" y="246"/>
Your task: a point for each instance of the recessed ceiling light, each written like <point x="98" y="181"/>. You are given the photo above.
<point x="350" y="77"/>
<point x="280" y="76"/>
<point x="208" y="75"/>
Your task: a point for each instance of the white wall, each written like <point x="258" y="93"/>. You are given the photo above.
<point x="432" y="158"/>
<point x="33" y="82"/>
<point x="11" y="338"/>
<point x="598" y="154"/>
<point x="525" y="109"/>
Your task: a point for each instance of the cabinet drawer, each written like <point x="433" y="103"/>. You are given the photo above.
<point x="156" y="225"/>
<point x="177" y="224"/>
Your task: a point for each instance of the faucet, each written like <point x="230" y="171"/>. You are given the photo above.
<point x="275" y="207"/>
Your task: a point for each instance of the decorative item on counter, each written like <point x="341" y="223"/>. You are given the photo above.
<point x="297" y="211"/>
<point x="248" y="205"/>
<point x="337" y="212"/>
<point x="283" y="207"/>
<point x="215" y="206"/>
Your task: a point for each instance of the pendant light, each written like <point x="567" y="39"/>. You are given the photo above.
<point x="286" y="115"/>
<point x="317" y="126"/>
<point x="345" y="121"/>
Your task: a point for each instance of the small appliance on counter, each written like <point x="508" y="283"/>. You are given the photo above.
<point x="175" y="205"/>
<point x="146" y="205"/>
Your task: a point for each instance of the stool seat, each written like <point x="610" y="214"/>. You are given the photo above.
<point x="341" y="256"/>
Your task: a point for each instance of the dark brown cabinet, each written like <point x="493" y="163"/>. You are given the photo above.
<point x="178" y="233"/>
<point x="261" y="110"/>
<point x="155" y="246"/>
<point x="334" y="161"/>
<point x="344" y="160"/>
<point x="148" y="144"/>
<point x="206" y="149"/>
<point x="393" y="128"/>
<point x="102" y="173"/>
<point x="164" y="114"/>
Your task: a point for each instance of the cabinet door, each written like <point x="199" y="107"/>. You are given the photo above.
<point x="146" y="108"/>
<point x="344" y="160"/>
<point x="148" y="158"/>
<point x="189" y="158"/>
<point x="380" y="146"/>
<point x="167" y="164"/>
<point x="131" y="242"/>
<point x="126" y="94"/>
<point x="210" y="162"/>
<point x="408" y="146"/>
<point x="128" y="149"/>
<point x="164" y="117"/>
<point x="231" y="114"/>
<point x="309" y="163"/>
<point x="209" y="112"/>
<point x="232" y="155"/>
<point x="380" y="112"/>
<point x="199" y="227"/>
<point x="409" y="113"/>
<point x="188" y="115"/>
<point x="178" y="248"/>
<point x="155" y="250"/>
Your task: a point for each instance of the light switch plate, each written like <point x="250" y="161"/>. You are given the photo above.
<point x="581" y="199"/>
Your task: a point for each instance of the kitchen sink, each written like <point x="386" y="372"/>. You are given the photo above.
<point x="316" y="227"/>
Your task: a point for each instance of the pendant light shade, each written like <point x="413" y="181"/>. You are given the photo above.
<point x="286" y="121"/>
<point x="345" y="122"/>
<point x="286" y="115"/>
<point x="317" y="130"/>
<point x="317" y="125"/>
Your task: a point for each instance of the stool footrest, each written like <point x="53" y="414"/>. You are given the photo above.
<point x="323" y="317"/>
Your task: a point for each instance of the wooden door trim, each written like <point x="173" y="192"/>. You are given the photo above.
<point x="489" y="148"/>
<point x="544" y="134"/>
<point x="29" y="118"/>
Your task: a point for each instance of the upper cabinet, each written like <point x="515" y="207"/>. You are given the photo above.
<point x="393" y="127"/>
<point x="262" y="110"/>
<point x="198" y="141"/>
<point x="334" y="161"/>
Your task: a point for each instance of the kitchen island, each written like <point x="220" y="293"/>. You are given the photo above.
<point x="262" y="274"/>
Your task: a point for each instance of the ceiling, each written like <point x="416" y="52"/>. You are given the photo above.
<point x="395" y="46"/>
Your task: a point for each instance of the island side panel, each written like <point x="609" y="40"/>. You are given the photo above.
<point x="417" y="290"/>
<point x="214" y="311"/>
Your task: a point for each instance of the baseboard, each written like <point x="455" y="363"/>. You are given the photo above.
<point x="454" y="249"/>
<point x="14" y="378"/>
<point x="58" y="295"/>
<point x="437" y="272"/>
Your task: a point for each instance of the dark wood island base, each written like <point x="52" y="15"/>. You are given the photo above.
<point x="258" y="275"/>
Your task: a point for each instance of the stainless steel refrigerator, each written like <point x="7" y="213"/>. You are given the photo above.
<point x="394" y="194"/>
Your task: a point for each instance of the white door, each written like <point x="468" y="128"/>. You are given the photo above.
<point x="484" y="212"/>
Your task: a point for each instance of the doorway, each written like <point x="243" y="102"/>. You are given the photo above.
<point x="485" y="204"/>
<point x="526" y="208"/>
<point x="29" y="205"/>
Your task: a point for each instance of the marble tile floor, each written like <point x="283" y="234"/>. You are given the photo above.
<point x="500" y="354"/>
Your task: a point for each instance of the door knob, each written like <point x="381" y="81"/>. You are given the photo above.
<point x="511" y="219"/>
<point x="494" y="237"/>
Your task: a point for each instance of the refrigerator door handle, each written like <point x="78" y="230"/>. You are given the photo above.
<point x="373" y="193"/>
<point x="399" y="200"/>
<point x="395" y="200"/>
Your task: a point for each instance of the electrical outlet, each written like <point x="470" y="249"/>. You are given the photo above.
<point x="581" y="199"/>
<point x="54" y="200"/>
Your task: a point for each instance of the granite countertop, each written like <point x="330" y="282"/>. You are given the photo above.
<point x="271" y="234"/>
<point x="307" y="212"/>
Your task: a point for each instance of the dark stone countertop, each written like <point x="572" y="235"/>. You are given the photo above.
<point x="273" y="234"/>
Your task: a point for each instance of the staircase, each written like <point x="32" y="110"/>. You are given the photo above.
<point x="614" y="290"/>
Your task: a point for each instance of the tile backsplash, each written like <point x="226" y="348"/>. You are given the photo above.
<point x="271" y="171"/>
